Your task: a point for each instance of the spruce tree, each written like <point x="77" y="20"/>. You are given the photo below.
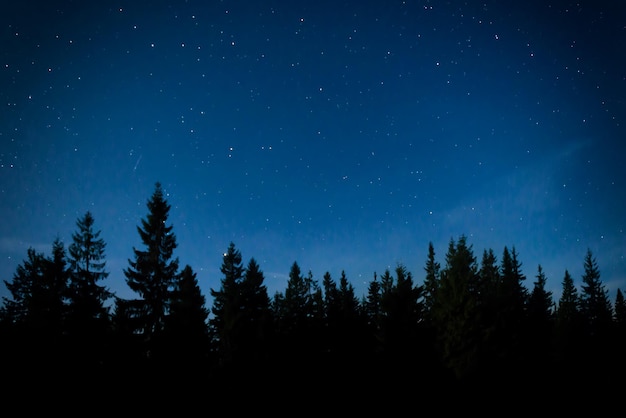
<point x="20" y="307"/>
<point x="332" y="312"/>
<point x="33" y="315"/>
<point x="300" y="316"/>
<point x="568" y="308"/>
<point x="350" y="322"/>
<point x="540" y="323"/>
<point x="455" y="311"/>
<point x="512" y="318"/>
<point x="619" y="318"/>
<point x="599" y="356"/>
<point x="38" y="289"/>
<point x="373" y="313"/>
<point x="619" y="314"/>
<point x="568" y="329"/>
<point x="431" y="281"/>
<point x="186" y="326"/>
<point x="56" y="278"/>
<point x="296" y="304"/>
<point x="595" y="304"/>
<point x="88" y="315"/>
<point x="153" y="271"/>
<point x="256" y="332"/>
<point x="540" y="304"/>
<point x="225" y="324"/>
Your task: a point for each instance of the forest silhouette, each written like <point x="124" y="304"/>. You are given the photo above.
<point x="468" y="325"/>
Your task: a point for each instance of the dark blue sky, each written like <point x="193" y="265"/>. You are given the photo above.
<point x="341" y="135"/>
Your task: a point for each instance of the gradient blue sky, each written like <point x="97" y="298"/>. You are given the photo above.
<point x="341" y="135"/>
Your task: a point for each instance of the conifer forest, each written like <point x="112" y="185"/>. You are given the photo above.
<point x="465" y="323"/>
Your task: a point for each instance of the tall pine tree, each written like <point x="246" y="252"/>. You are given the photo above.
<point x="431" y="281"/>
<point x="225" y="324"/>
<point x="455" y="311"/>
<point x="568" y="326"/>
<point x="186" y="326"/>
<point x="88" y="315"/>
<point x="153" y="271"/>
<point x="595" y="304"/>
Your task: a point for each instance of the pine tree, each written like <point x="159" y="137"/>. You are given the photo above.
<point x="619" y="314"/>
<point x="225" y="324"/>
<point x="512" y="317"/>
<point x="488" y="304"/>
<point x="373" y="313"/>
<point x="300" y="316"/>
<point x="296" y="302"/>
<point x="332" y="312"/>
<point x="568" y="329"/>
<point x="186" y="326"/>
<point x="540" y="304"/>
<point x="351" y="325"/>
<point x="88" y="316"/>
<point x="619" y="318"/>
<point x="595" y="304"/>
<point x="455" y="311"/>
<point x="56" y="278"/>
<point x="599" y="354"/>
<point x="568" y="308"/>
<point x="431" y="282"/>
<point x="489" y="278"/>
<point x="256" y="317"/>
<point x="34" y="314"/>
<point x="24" y="289"/>
<point x="153" y="272"/>
<point x="540" y="323"/>
<point x="38" y="292"/>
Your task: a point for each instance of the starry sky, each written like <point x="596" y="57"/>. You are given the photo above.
<point x="341" y="135"/>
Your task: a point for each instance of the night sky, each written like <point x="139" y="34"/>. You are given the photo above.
<point x="339" y="135"/>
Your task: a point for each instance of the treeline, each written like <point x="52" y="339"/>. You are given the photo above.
<point x="467" y="322"/>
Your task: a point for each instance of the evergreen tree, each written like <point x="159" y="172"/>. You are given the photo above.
<point x="332" y="310"/>
<point x="315" y="302"/>
<point x="351" y="327"/>
<point x="619" y="315"/>
<point x="300" y="315"/>
<point x="488" y="303"/>
<point x="349" y="302"/>
<point x="619" y="318"/>
<point x="296" y="303"/>
<point x="56" y="277"/>
<point x="540" y="304"/>
<point x="332" y="303"/>
<point x="568" y="328"/>
<point x="599" y="354"/>
<point x="595" y="304"/>
<point x="489" y="278"/>
<point x="540" y="323"/>
<point x="33" y="316"/>
<point x="225" y="325"/>
<point x="373" y="313"/>
<point x="38" y="292"/>
<point x="256" y="317"/>
<point x="455" y="311"/>
<point x="153" y="272"/>
<point x="568" y="308"/>
<point x="431" y="282"/>
<point x="512" y="317"/>
<point x="24" y="288"/>
<point x="88" y="316"/>
<point x="186" y="326"/>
